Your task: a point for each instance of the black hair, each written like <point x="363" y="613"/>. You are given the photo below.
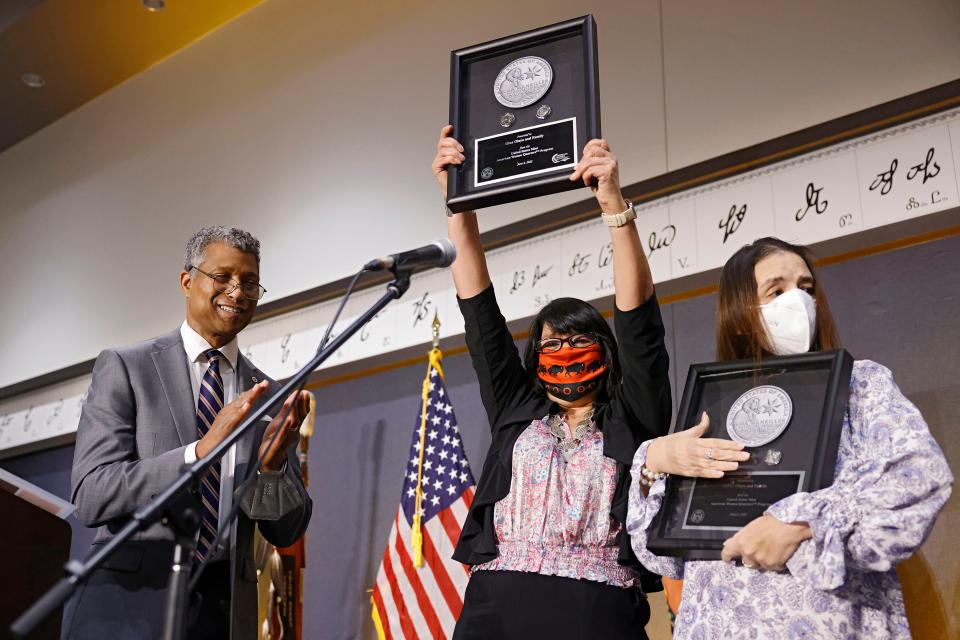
<point x="569" y="316"/>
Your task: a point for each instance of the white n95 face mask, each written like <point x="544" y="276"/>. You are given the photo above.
<point x="791" y="321"/>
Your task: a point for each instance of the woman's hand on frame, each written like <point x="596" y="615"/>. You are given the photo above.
<point x="688" y="453"/>
<point x="449" y="151"/>
<point x="599" y="164"/>
<point x="766" y="543"/>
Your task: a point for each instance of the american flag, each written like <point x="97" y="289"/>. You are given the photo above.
<point x="414" y="602"/>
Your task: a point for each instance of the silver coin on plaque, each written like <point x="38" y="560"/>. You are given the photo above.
<point x="523" y="82"/>
<point x="759" y="415"/>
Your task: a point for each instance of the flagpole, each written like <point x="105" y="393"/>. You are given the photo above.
<point x="433" y="361"/>
<point x="437" y="492"/>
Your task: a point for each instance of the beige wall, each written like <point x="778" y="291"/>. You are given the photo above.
<point x="313" y="124"/>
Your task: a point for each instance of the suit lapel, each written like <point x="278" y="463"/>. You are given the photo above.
<point x="173" y="370"/>
<point x="247" y="374"/>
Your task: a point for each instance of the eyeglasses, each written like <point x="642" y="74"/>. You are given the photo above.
<point x="578" y="341"/>
<point x="225" y="284"/>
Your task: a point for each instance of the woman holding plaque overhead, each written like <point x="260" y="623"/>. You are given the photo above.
<point x="818" y="564"/>
<point x="545" y="534"/>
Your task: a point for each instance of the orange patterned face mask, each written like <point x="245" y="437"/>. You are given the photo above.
<point x="572" y="373"/>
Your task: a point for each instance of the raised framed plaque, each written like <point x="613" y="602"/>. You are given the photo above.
<point x="523" y="107"/>
<point x="788" y="412"/>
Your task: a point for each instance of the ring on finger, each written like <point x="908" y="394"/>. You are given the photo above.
<point x="710" y="454"/>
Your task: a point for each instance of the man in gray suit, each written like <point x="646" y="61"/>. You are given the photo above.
<point x="154" y="406"/>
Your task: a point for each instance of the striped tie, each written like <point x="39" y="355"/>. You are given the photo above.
<point x="208" y="406"/>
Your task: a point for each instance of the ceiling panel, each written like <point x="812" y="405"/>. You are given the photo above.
<point x="83" y="49"/>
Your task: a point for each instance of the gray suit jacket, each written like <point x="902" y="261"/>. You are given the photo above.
<point x="139" y="416"/>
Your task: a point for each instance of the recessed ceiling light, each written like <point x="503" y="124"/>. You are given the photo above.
<point x="33" y="80"/>
<point x="154" y="5"/>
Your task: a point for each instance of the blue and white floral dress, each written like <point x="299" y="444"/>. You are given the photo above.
<point x="891" y="482"/>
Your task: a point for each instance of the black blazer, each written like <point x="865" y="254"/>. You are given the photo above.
<point x="639" y="410"/>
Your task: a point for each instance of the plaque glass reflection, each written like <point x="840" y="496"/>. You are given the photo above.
<point x="522" y="106"/>
<point x="787" y="411"/>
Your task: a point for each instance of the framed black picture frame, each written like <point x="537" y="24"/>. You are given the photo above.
<point x="520" y="143"/>
<point x="789" y="413"/>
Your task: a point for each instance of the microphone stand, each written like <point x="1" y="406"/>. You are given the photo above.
<point x="177" y="506"/>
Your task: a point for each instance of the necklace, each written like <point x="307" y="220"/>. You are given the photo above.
<point x="566" y="443"/>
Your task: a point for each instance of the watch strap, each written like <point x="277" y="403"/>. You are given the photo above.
<point x="619" y="219"/>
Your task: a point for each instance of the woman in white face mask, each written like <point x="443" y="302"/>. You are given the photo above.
<point x="818" y="564"/>
<point x="769" y="304"/>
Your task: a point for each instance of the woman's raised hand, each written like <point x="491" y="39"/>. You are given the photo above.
<point x="449" y="151"/>
<point x="598" y="163"/>
<point x="470" y="273"/>
<point x="687" y="453"/>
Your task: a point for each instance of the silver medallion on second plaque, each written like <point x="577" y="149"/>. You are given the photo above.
<point x="523" y="82"/>
<point x="759" y="415"/>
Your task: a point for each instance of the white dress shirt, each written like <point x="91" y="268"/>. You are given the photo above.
<point x="195" y="346"/>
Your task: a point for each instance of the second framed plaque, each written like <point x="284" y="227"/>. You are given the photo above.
<point x="523" y="107"/>
<point x="787" y="412"/>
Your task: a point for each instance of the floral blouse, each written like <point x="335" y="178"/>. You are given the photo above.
<point x="891" y="481"/>
<point x="556" y="519"/>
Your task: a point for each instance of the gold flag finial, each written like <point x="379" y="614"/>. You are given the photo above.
<point x="436" y="330"/>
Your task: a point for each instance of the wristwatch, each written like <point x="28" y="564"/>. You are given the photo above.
<point x="619" y="219"/>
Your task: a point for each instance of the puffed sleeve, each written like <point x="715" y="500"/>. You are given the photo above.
<point x="640" y="513"/>
<point x="891" y="482"/>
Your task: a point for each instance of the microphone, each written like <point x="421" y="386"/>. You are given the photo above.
<point x="439" y="254"/>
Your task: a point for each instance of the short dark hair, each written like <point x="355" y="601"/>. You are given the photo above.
<point x="570" y="316"/>
<point x="230" y="236"/>
<point x="740" y="330"/>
